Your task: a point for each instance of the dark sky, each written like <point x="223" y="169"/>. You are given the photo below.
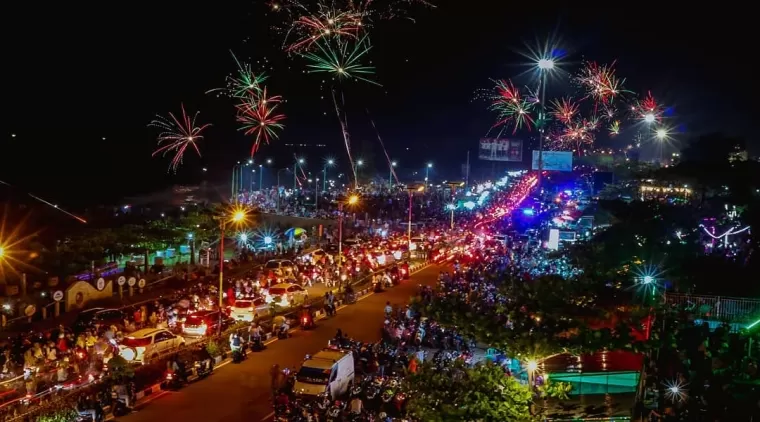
<point x="75" y="74"/>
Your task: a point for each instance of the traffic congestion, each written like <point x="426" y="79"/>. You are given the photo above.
<point x="285" y="314"/>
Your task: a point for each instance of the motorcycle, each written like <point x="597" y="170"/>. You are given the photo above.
<point x="307" y="319"/>
<point x="119" y="405"/>
<point x="171" y="381"/>
<point x="257" y="344"/>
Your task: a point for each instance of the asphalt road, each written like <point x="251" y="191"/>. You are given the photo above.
<point x="240" y="392"/>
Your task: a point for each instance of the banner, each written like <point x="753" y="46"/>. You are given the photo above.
<point x="554" y="160"/>
<point x="500" y="149"/>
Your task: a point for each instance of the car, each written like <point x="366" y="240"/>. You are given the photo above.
<point x="98" y="316"/>
<point x="287" y="294"/>
<point x="281" y="266"/>
<point x="249" y="309"/>
<point x="203" y="323"/>
<point x="148" y="344"/>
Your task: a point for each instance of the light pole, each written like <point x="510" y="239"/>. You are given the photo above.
<point x="427" y="173"/>
<point x="234" y="181"/>
<point x="316" y="193"/>
<point x="662" y="136"/>
<point x="329" y="162"/>
<point x="261" y="176"/>
<point x="411" y="189"/>
<point x="545" y="65"/>
<point x="390" y="175"/>
<point x="237" y="216"/>
<point x="250" y="182"/>
<point x="359" y="163"/>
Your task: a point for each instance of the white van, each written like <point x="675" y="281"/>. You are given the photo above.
<point x="329" y="371"/>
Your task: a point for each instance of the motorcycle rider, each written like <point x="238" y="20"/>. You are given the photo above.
<point x="388" y="310"/>
<point x="255" y="333"/>
<point x="236" y="344"/>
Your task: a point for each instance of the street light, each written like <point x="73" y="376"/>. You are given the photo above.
<point x="390" y="175"/>
<point x="329" y="163"/>
<point x="237" y="216"/>
<point x="546" y="64"/>
<point x="411" y="189"/>
<point x="649" y="117"/>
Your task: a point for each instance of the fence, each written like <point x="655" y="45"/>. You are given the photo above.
<point x="718" y="308"/>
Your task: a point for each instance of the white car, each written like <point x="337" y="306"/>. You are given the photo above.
<point x="249" y="309"/>
<point x="281" y="267"/>
<point x="148" y="344"/>
<point x="287" y="294"/>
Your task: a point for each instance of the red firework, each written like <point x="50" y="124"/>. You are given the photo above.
<point x="564" y="110"/>
<point x="330" y="23"/>
<point x="259" y="117"/>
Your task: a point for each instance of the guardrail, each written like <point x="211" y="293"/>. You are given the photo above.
<point x="361" y="283"/>
<point x="718" y="308"/>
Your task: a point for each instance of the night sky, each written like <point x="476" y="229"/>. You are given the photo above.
<point x="75" y="75"/>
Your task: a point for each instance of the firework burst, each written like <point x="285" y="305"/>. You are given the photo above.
<point x="243" y="83"/>
<point x="511" y="107"/>
<point x="341" y="59"/>
<point x="326" y="24"/>
<point x="259" y="117"/>
<point x="565" y="110"/>
<point x="177" y="135"/>
<point x="648" y="109"/>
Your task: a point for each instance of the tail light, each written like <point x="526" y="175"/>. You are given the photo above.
<point x="169" y="376"/>
<point x="305" y="320"/>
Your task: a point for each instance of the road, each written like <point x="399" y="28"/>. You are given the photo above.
<point x="240" y="392"/>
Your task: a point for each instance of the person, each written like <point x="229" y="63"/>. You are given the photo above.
<point x="122" y="393"/>
<point x="85" y="407"/>
<point x="388" y="309"/>
<point x="356" y="406"/>
<point x="235" y="343"/>
<point x="256" y="331"/>
<point x="274" y="374"/>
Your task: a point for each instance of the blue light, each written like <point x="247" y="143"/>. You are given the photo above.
<point x="558" y="53"/>
<point x="529" y="211"/>
<point x="267" y="240"/>
<point x="669" y="112"/>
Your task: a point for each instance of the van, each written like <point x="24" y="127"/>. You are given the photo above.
<point x="329" y="371"/>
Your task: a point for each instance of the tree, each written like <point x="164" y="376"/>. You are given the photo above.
<point x="459" y="393"/>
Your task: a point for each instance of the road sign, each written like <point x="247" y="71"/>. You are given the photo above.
<point x="121" y="280"/>
<point x="131" y="281"/>
<point x="58" y="296"/>
<point x="101" y="283"/>
<point x="141" y="283"/>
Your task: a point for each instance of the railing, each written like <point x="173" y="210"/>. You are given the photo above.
<point x="718" y="308"/>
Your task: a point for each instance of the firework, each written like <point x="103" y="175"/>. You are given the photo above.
<point x="243" y="83"/>
<point x="177" y="135"/>
<point x="341" y="59"/>
<point x="600" y="82"/>
<point x="648" y="109"/>
<point x="259" y="117"/>
<point x="511" y="107"/>
<point x="327" y="23"/>
<point x="614" y="128"/>
<point x="564" y="110"/>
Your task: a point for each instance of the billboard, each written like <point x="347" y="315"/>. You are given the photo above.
<point x="500" y="149"/>
<point x="554" y="160"/>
